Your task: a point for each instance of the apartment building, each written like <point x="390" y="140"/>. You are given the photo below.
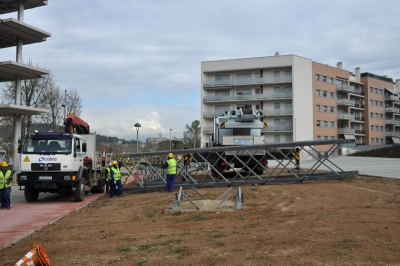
<point x="302" y="99"/>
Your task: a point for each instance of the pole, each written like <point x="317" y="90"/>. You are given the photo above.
<point x="65" y="105"/>
<point x="137" y="141"/>
<point x="170" y="143"/>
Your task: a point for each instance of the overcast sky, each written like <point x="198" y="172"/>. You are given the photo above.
<point x="140" y="61"/>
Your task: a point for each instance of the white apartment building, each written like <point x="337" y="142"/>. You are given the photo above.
<point x="302" y="100"/>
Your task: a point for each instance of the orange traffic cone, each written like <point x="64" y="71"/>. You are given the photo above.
<point x="36" y="257"/>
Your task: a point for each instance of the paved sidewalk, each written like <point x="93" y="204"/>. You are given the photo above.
<point x="26" y="218"/>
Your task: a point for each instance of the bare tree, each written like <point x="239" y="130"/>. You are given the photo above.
<point x="44" y="93"/>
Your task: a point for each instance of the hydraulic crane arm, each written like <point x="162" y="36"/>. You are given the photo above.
<point x="74" y="122"/>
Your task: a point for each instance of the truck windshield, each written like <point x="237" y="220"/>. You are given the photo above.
<point x="47" y="146"/>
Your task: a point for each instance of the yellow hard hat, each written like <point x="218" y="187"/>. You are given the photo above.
<point x="170" y="156"/>
<point x="4" y="164"/>
<point x="114" y="163"/>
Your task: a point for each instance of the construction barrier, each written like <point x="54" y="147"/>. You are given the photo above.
<point x="36" y="257"/>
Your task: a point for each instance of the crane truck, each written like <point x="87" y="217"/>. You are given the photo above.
<point x="62" y="162"/>
<point x="237" y="128"/>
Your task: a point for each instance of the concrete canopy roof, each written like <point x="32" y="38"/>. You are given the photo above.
<point x="13" y="109"/>
<point x="11" y="29"/>
<point x="8" y="6"/>
<point x="10" y="69"/>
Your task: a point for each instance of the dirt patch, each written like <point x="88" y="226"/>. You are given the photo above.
<point x="350" y="222"/>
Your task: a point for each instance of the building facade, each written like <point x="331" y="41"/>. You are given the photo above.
<point x="302" y="99"/>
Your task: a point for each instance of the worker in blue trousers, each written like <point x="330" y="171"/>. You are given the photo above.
<point x="5" y="186"/>
<point x="170" y="165"/>
<point x="115" y="182"/>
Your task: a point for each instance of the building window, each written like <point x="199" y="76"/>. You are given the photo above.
<point x="318" y="92"/>
<point x="277" y="73"/>
<point x="331" y="80"/>
<point x="257" y="75"/>
<point x="332" y="109"/>
<point x="222" y="77"/>
<point x="331" y="94"/>
<point x="318" y="123"/>
<point x="277" y="106"/>
<point x="257" y="91"/>
<point x="324" y="93"/>
<point x="243" y="92"/>
<point x="318" y="137"/>
<point x="288" y="73"/>
<point x="288" y="89"/>
<point x="317" y="77"/>
<point x="325" y="108"/>
<point x="277" y="138"/>
<point x="243" y="76"/>
<point x="325" y="123"/>
<point x="288" y="105"/>
<point x="324" y="78"/>
<point x="333" y="124"/>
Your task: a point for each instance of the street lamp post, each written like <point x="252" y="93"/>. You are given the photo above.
<point x="137" y="125"/>
<point x="170" y="143"/>
<point x="65" y="104"/>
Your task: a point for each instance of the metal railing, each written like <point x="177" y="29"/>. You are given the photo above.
<point x="247" y="97"/>
<point x="247" y="81"/>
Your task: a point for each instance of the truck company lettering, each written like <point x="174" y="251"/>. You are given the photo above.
<point x="47" y="159"/>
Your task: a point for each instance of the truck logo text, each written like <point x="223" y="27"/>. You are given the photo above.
<point x="47" y="159"/>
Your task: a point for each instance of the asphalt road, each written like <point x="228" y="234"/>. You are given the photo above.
<point x="17" y="195"/>
<point x="381" y="167"/>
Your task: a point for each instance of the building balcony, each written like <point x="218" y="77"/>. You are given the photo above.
<point x="345" y="102"/>
<point x="346" y="131"/>
<point x="212" y="114"/>
<point x="358" y="119"/>
<point x="345" y="88"/>
<point x="277" y="128"/>
<point x="358" y="93"/>
<point x="392" y="98"/>
<point x="249" y="97"/>
<point x="275" y="112"/>
<point x="392" y="122"/>
<point x="359" y="132"/>
<point x="392" y="110"/>
<point x="392" y="134"/>
<point x="358" y="106"/>
<point x="208" y="130"/>
<point x="250" y="81"/>
<point x="346" y="116"/>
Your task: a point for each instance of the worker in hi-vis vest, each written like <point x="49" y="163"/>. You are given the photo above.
<point x="115" y="183"/>
<point x="5" y="186"/>
<point x="107" y="172"/>
<point x="170" y="165"/>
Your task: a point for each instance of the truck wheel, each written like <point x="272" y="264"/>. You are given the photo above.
<point x="79" y="193"/>
<point x="31" y="195"/>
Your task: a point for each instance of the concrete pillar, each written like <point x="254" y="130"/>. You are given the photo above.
<point x="357" y="74"/>
<point x="397" y="85"/>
